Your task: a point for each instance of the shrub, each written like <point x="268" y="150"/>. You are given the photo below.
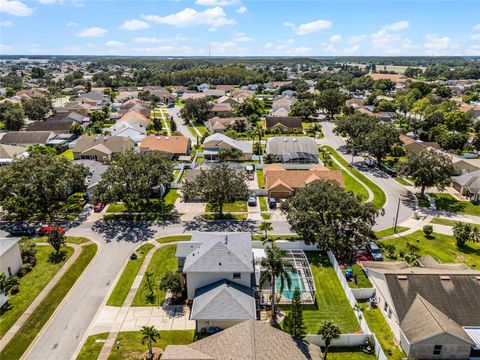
<point x="390" y="250"/>
<point x="428" y="230"/>
<point x="14" y="289"/>
<point x="25" y="269"/>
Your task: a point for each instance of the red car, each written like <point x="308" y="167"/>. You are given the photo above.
<point x="46" y="229"/>
<point x="99" y="207"/>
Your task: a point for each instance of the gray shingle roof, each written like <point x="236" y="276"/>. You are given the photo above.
<point x="470" y="181"/>
<point x="26" y="137"/>
<point x="223" y="300"/>
<point x="220" y="252"/>
<point x="7" y="243"/>
<point x="244" y="146"/>
<point x="284" y="145"/>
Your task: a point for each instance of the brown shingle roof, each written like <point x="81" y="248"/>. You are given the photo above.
<point x="249" y="340"/>
<point x="291" y="122"/>
<point x="26" y="137"/>
<point x="115" y="144"/>
<point x="178" y="145"/>
<point x="58" y="126"/>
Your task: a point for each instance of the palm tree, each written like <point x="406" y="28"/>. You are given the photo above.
<point x="265" y="226"/>
<point x="328" y="331"/>
<point x="274" y="265"/>
<point x="149" y="336"/>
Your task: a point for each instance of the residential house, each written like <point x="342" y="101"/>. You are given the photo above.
<point x="241" y="96"/>
<point x="56" y="126"/>
<point x="26" y="138"/>
<point x="468" y="185"/>
<point x="227" y="99"/>
<point x="202" y="87"/>
<point x="280" y="111"/>
<point x="432" y="310"/>
<point x="10" y="261"/>
<point x="77" y="107"/>
<point x="217" y="93"/>
<point x="226" y="88"/>
<point x="31" y="93"/>
<point x="129" y="128"/>
<point x="384" y="116"/>
<point x="249" y="340"/>
<point x="220" y="110"/>
<point x="172" y="146"/>
<point x="96" y="169"/>
<point x="124" y="96"/>
<point x="416" y="146"/>
<point x="133" y="103"/>
<point x="79" y="118"/>
<point x="10" y="152"/>
<point x="218" y="270"/>
<point x="463" y="166"/>
<point x="219" y="125"/>
<point x="192" y="96"/>
<point x="134" y="117"/>
<point x="284" y="123"/>
<point x="293" y="149"/>
<point x="216" y="143"/>
<point x="282" y="183"/>
<point x="101" y="148"/>
<point x="95" y="97"/>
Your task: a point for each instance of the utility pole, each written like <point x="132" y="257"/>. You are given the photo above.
<point x="396" y="216"/>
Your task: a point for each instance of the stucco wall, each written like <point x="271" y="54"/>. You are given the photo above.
<point x="11" y="259"/>
<point x="452" y="348"/>
<point x="222" y="324"/>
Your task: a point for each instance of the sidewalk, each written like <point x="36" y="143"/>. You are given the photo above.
<point x="42" y="295"/>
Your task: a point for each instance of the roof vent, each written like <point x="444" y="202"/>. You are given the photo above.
<point x="219" y="264"/>
<point x="285" y="139"/>
<point x="167" y="138"/>
<point x="402" y="277"/>
<point x="294" y="139"/>
<point x="158" y="137"/>
<point x="444" y="277"/>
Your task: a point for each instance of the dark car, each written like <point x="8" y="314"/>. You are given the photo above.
<point x="171" y="105"/>
<point x="22" y="230"/>
<point x="374" y="251"/>
<point x="252" y="201"/>
<point x="272" y="203"/>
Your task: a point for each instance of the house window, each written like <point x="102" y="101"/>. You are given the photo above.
<point x="9" y="271"/>
<point x="437" y="350"/>
<point x="237" y="275"/>
<point x="385" y="307"/>
<point x="390" y="313"/>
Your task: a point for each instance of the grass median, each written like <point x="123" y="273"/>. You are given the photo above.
<point x="92" y="347"/>
<point x="30" y="329"/>
<point x="379" y="197"/>
<point x="123" y="285"/>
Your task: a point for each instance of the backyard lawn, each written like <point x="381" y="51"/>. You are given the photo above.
<point x="68" y="154"/>
<point x="130" y="345"/>
<point x="441" y="247"/>
<point x="331" y="300"/>
<point x="390" y="231"/>
<point x="173" y="238"/>
<point x="30" y="329"/>
<point x="163" y="260"/>
<point x="335" y="353"/>
<point x="124" y="283"/>
<point x="237" y="206"/>
<point x="446" y="202"/>
<point x="30" y="286"/>
<point x="260" y="179"/>
<point x="91" y="348"/>
<point x="377" y="323"/>
<point x="171" y="197"/>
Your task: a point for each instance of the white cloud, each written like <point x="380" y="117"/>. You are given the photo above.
<point x="135" y="25"/>
<point x="228" y="48"/>
<point x="286" y="48"/>
<point x="336" y="38"/>
<point x="308" y="28"/>
<point x="476" y="27"/>
<point x="475" y="36"/>
<point x="91" y="32"/>
<point x="329" y="48"/>
<point x="214" y="17"/>
<point x="72" y="48"/>
<point x="355" y="39"/>
<point x="164" y="50"/>
<point x="241" y="37"/>
<point x="437" y="45"/>
<point x="397" y="26"/>
<point x="6" y="23"/>
<point x="114" y="43"/>
<point x="5" y="48"/>
<point x="15" y="8"/>
<point x="473" y="50"/>
<point x="72" y="24"/>
<point x="241" y="10"/>
<point x="150" y="40"/>
<point x="50" y="2"/>
<point x="216" y="2"/>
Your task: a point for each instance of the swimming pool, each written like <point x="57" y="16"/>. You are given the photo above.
<point x="296" y="281"/>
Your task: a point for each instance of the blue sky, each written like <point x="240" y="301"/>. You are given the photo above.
<point x="236" y="27"/>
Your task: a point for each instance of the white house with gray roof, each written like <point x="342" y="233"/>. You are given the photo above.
<point x="219" y="276"/>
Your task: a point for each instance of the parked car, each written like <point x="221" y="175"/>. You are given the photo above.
<point x="44" y="230"/>
<point x="98" y="207"/>
<point x="170" y="105"/>
<point x="22" y="230"/>
<point x="374" y="251"/>
<point x="252" y="200"/>
<point x="272" y="203"/>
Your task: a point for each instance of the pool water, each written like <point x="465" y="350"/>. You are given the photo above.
<point x="296" y="282"/>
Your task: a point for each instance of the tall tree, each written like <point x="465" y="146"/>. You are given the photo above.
<point x="294" y="319"/>
<point x="133" y="178"/>
<point x="325" y="214"/>
<point x="149" y="335"/>
<point x="56" y="238"/>
<point x="37" y="108"/>
<point x="356" y="127"/>
<point x="275" y="266"/>
<point x="266" y="227"/>
<point x="380" y="139"/>
<point x="464" y="232"/>
<point x="12" y="116"/>
<point x="33" y="185"/>
<point x="172" y="281"/>
<point x="218" y="186"/>
<point x="196" y="110"/>
<point x="331" y="100"/>
<point x="427" y="168"/>
<point x="328" y="331"/>
<point x="251" y="106"/>
<point x="304" y="108"/>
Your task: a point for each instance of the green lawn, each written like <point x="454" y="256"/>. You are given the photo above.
<point x="163" y="260"/>
<point x="226" y="216"/>
<point x="68" y="154"/>
<point x="171" y="197"/>
<point x="331" y="300"/>
<point x="124" y="283"/>
<point x="390" y="231"/>
<point x="30" y="329"/>
<point x="377" y="323"/>
<point x="403" y="181"/>
<point x="174" y="238"/>
<point x="68" y="240"/>
<point x="263" y="203"/>
<point x="260" y="179"/>
<point x="441" y="247"/>
<point x="237" y="206"/>
<point x="335" y="353"/>
<point x="91" y="348"/>
<point x="130" y="343"/>
<point x="446" y="202"/>
<point x="422" y="200"/>
<point x="157" y="206"/>
<point x="266" y="216"/>
<point x="449" y="222"/>
<point x="30" y="286"/>
<point x="379" y="197"/>
<point x="354" y="186"/>
<point x="360" y="277"/>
